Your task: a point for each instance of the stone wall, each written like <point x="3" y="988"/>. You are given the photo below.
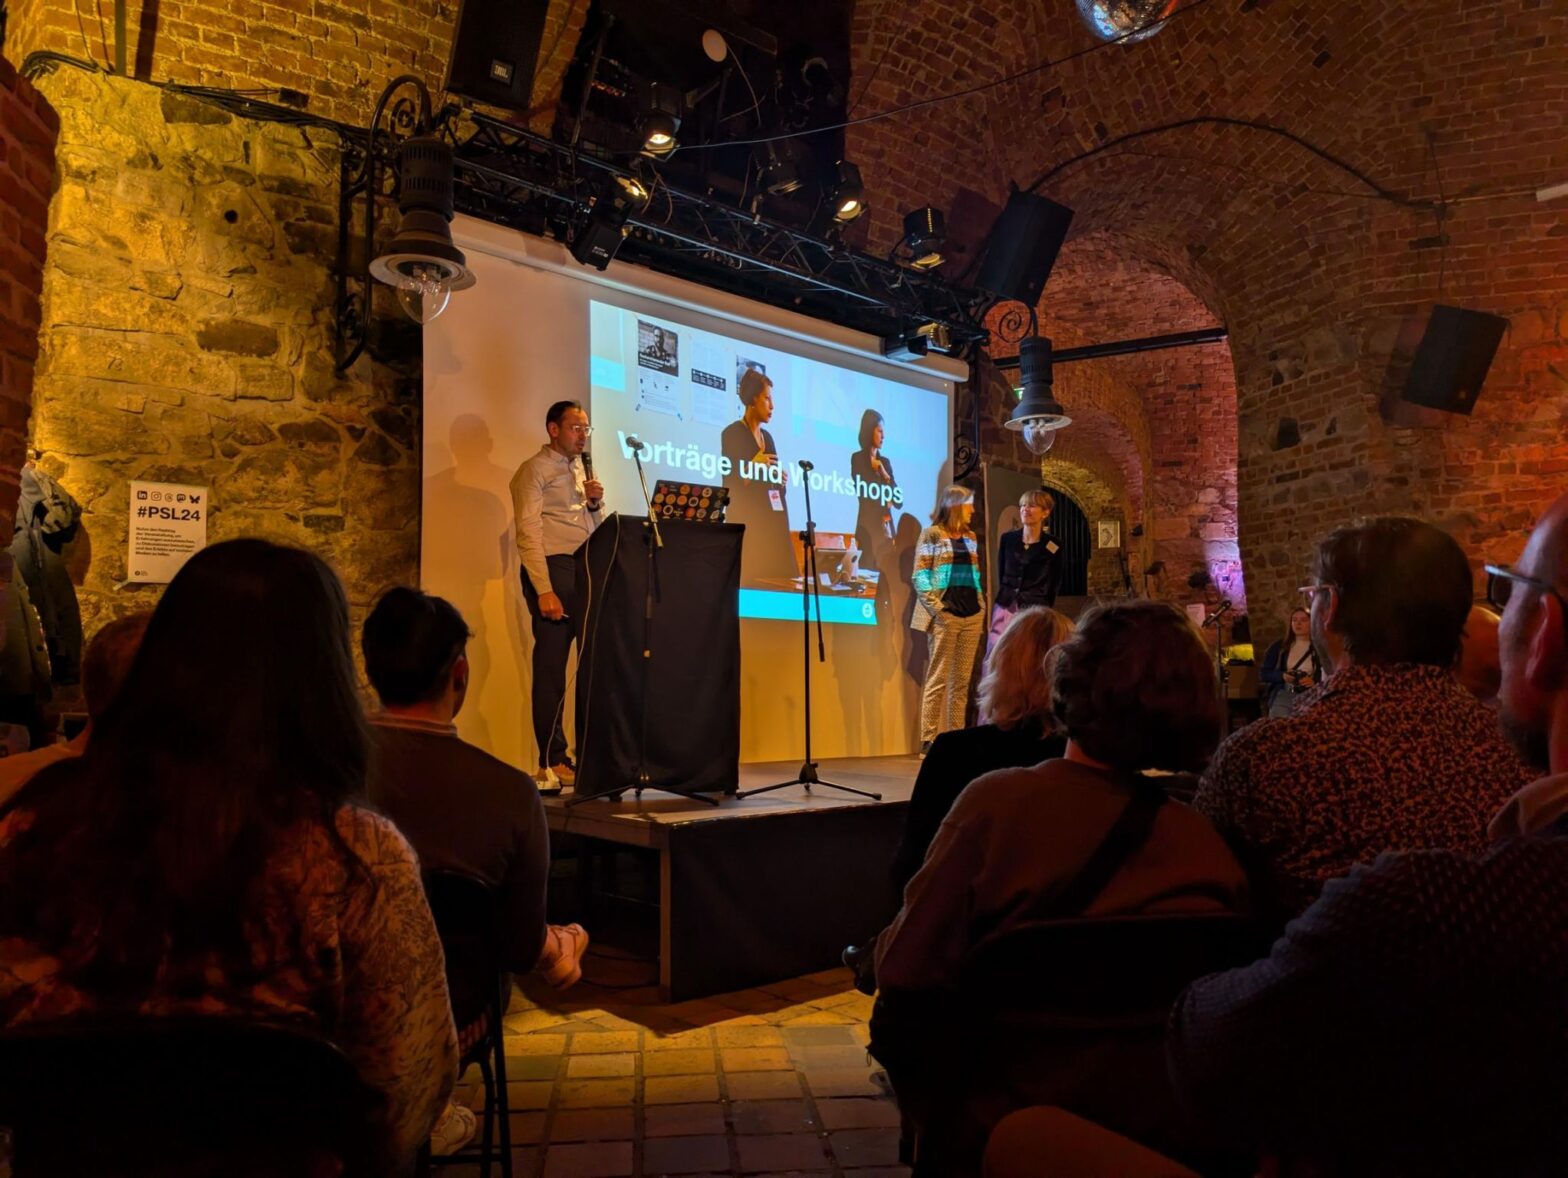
<point x="188" y="337"/>
<point x="28" y="126"/>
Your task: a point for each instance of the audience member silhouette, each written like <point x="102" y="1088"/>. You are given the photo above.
<point x="1132" y="689"/>
<point x="207" y="854"/>
<point x="1412" y="1021"/>
<point x="1016" y="730"/>
<point x="105" y="664"/>
<point x="462" y="809"/>
<point x="1389" y="752"/>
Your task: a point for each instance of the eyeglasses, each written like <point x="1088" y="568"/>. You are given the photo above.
<point x="1500" y="586"/>
<point x="1310" y="592"/>
<point x="585" y="430"/>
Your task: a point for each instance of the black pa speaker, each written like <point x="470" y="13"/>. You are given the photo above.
<point x="1453" y="359"/>
<point x="494" y="51"/>
<point x="1024" y="243"/>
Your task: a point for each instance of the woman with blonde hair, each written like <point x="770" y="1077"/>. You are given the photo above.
<point x="950" y="607"/>
<point x="1027" y="570"/>
<point x="1016" y="731"/>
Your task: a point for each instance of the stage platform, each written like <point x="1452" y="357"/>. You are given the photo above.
<point x="757" y="890"/>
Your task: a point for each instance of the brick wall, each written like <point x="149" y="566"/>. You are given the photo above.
<point x="28" y="126"/>
<point x="1316" y="279"/>
<point x="340" y="53"/>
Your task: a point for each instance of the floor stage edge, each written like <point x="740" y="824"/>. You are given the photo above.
<point x="761" y="889"/>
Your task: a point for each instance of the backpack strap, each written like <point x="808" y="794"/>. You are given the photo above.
<point x="1125" y="839"/>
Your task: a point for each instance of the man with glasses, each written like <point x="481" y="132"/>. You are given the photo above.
<point x="1389" y="753"/>
<point x="556" y="507"/>
<point x="1413" y="1020"/>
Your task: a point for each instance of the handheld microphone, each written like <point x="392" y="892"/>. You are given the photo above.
<point x="593" y="505"/>
<point x="804" y="465"/>
<point x="633" y="443"/>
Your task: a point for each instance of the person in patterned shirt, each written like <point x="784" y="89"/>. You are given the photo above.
<point x="1389" y="753"/>
<point x="1412" y="1021"/>
<point x="210" y="853"/>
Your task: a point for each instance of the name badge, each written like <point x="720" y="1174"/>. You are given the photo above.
<point x="776" y="498"/>
<point x="1052" y="547"/>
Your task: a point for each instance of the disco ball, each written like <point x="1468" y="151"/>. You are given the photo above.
<point x="1126" y="20"/>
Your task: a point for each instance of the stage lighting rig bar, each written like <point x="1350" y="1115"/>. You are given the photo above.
<point x="510" y="176"/>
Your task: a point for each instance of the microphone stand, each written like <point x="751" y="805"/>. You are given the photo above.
<point x="809" y="590"/>
<point x="647" y="499"/>
<point x="1220" y="666"/>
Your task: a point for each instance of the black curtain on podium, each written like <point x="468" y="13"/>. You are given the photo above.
<point x="690" y="699"/>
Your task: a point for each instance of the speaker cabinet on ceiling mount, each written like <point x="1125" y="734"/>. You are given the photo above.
<point x="1452" y="361"/>
<point x="494" y="51"/>
<point x="1023" y="247"/>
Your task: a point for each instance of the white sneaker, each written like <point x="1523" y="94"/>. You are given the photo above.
<point x="547" y="781"/>
<point x="455" y="1127"/>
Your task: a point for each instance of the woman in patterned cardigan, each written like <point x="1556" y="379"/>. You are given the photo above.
<point x="208" y="853"/>
<point x="950" y="606"/>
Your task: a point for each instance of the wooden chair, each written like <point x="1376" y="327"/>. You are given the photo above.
<point x="145" y="1097"/>
<point x="1068" y="1013"/>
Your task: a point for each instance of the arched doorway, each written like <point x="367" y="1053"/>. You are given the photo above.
<point x="1070" y="525"/>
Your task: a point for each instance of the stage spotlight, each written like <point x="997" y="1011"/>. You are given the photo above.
<point x="660" y="119"/>
<point x="1038" y="416"/>
<point x="780" y="168"/>
<point x="420" y="261"/>
<point x="925" y="231"/>
<point x="600" y="236"/>
<point x="849" y="193"/>
<point x="937" y="335"/>
<point x="906" y="347"/>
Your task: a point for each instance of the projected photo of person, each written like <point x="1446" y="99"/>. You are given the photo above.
<point x="875" y="483"/>
<point x="756" y="482"/>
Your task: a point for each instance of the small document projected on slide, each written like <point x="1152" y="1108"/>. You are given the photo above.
<point x="719" y="410"/>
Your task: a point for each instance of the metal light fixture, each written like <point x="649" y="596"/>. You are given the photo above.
<point x="661" y="119"/>
<point x="599" y="236"/>
<point x="420" y="261"/>
<point x="925" y="231"/>
<point x="849" y="192"/>
<point x="1039" y="416"/>
<point x="780" y="168"/>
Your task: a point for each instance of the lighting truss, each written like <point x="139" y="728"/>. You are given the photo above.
<point x="509" y="176"/>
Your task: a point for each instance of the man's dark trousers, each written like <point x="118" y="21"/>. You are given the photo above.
<point x="552" y="647"/>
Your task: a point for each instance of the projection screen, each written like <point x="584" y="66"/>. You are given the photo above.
<point x="663" y="360"/>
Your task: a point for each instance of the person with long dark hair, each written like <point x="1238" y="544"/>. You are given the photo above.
<point x="209" y="854"/>
<point x="876" y="487"/>
<point x="1290" y="666"/>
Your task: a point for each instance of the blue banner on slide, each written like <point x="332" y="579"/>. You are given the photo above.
<point x="785" y="607"/>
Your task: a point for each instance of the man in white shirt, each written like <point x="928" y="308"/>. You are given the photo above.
<point x="556" y="507"/>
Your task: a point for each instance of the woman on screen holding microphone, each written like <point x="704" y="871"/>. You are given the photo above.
<point x="950" y="607"/>
<point x="875" y="485"/>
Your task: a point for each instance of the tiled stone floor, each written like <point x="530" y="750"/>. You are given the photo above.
<point x="769" y="1081"/>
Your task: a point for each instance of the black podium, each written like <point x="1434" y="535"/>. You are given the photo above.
<point x="658" y="674"/>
